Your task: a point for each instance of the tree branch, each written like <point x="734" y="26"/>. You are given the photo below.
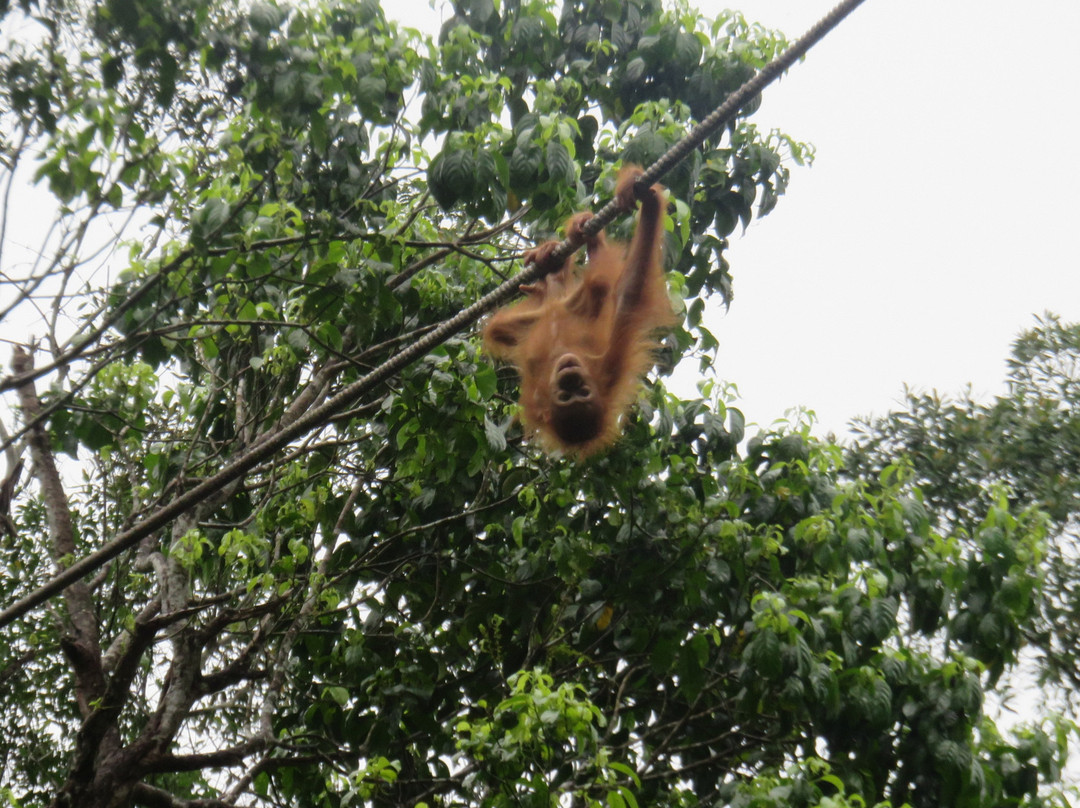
<point x="82" y="643"/>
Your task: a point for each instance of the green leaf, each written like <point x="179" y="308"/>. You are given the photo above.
<point x="495" y="437"/>
<point x="451" y="177"/>
<point x="560" y="164"/>
<point x="635" y="70"/>
<point x="338" y="694"/>
<point x="265" y="17"/>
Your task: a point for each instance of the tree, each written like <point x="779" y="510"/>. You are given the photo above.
<point x="407" y="605"/>
<point x="1024" y="444"/>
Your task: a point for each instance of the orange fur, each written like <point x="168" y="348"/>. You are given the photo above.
<point x="582" y="339"/>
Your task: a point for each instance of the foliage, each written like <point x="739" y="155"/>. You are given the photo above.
<point x="1025" y="443"/>
<point x="408" y="605"/>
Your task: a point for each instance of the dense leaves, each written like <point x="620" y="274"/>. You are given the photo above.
<point x="1024" y="445"/>
<point x="408" y="605"/>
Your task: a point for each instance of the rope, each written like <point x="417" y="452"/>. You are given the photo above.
<point x="318" y="416"/>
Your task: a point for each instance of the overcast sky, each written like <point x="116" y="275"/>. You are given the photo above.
<point x="940" y="215"/>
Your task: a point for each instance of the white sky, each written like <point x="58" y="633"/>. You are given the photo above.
<point x="938" y="217"/>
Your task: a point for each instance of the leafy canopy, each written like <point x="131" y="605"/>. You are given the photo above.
<point x="255" y="204"/>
